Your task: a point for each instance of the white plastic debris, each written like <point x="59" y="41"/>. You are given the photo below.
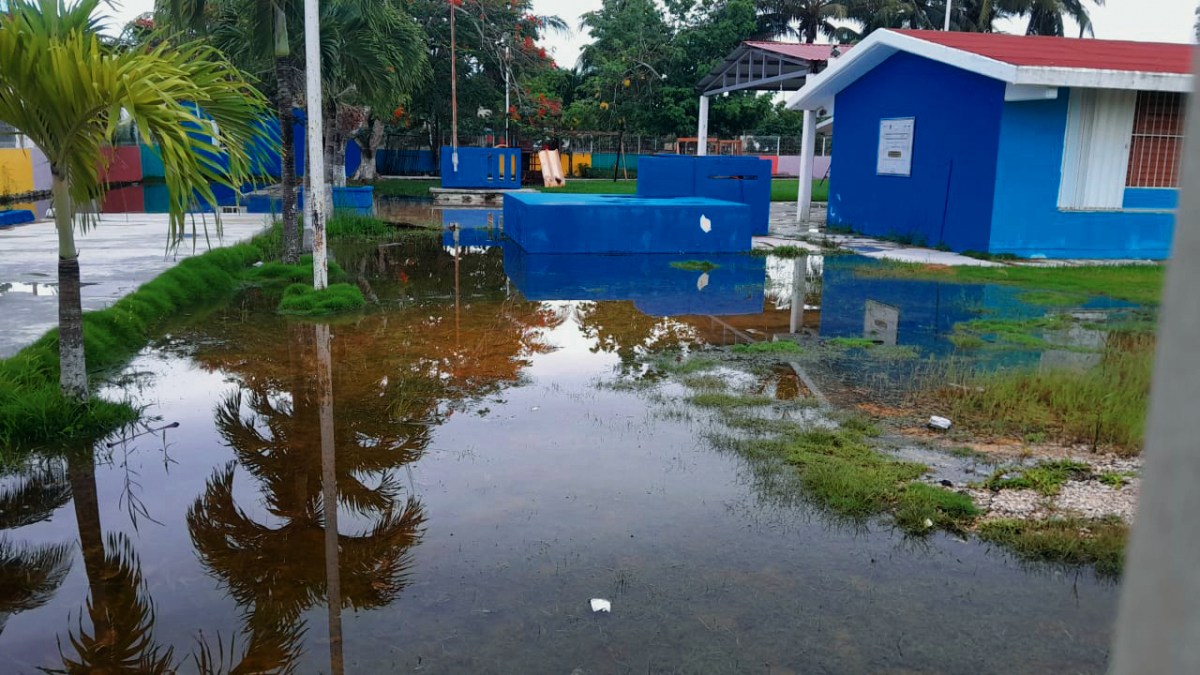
<point x="601" y="605"/>
<point x="942" y="423"/>
<point x="928" y="523"/>
<point x="702" y="282"/>
<point x="705" y="224"/>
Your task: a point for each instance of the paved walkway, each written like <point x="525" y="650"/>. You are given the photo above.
<point x="122" y="253"/>
<point x="787" y="231"/>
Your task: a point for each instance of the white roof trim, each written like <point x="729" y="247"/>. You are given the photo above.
<point x="820" y="89"/>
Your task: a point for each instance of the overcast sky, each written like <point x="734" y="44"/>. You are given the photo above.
<point x="1154" y="20"/>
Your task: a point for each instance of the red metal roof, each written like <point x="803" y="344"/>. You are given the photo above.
<point x="1062" y="52"/>
<point x="796" y="50"/>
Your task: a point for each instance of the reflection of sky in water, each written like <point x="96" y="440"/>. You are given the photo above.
<point x="781" y="277"/>
<point x="32" y="289"/>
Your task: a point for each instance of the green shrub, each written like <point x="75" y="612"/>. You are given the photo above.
<point x="304" y="300"/>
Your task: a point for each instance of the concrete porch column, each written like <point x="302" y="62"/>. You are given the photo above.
<point x="702" y="130"/>
<point x="808" y="144"/>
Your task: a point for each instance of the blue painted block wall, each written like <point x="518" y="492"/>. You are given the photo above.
<point x="735" y="286"/>
<point x="741" y="179"/>
<point x="948" y="197"/>
<point x="1026" y="220"/>
<point x="482" y="168"/>
<point x="565" y="223"/>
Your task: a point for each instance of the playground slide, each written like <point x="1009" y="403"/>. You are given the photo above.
<point x="552" y="175"/>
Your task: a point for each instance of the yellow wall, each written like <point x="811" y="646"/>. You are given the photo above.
<point x="16" y="173"/>
<point x="582" y="159"/>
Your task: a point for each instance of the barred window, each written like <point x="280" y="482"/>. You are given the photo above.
<point x="1157" y="142"/>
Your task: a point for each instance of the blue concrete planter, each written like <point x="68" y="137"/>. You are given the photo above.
<point x="481" y="168"/>
<point x="15" y="217"/>
<point x="358" y="200"/>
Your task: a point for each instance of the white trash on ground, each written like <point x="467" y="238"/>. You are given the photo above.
<point x="939" y="422"/>
<point x="601" y="605"/>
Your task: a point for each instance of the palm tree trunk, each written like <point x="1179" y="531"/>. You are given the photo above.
<point x="81" y="471"/>
<point x="72" y="365"/>
<point x="287" y="157"/>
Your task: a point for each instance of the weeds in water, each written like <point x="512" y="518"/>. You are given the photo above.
<point x="347" y="226"/>
<point x="695" y="265"/>
<point x="851" y="343"/>
<point x="1024" y="333"/>
<point x="304" y="300"/>
<point x="786" y="251"/>
<point x="921" y="506"/>
<point x="1052" y="298"/>
<point x="1073" y="541"/>
<point x="1045" y="477"/>
<point x="705" y="382"/>
<point x="777" y="347"/>
<point x="679" y="364"/>
<point x="726" y="401"/>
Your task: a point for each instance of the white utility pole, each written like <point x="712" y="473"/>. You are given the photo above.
<point x="507" y="89"/>
<point x="315" y="199"/>
<point x="454" y="93"/>
<point x="946" y="25"/>
<point x="702" y="129"/>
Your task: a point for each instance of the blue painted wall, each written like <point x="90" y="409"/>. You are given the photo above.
<point x="948" y="197"/>
<point x="1026" y="219"/>
<point x="482" y="168"/>
<point x="1150" y="198"/>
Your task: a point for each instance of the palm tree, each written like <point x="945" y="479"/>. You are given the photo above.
<point x="66" y="89"/>
<point x="803" y="19"/>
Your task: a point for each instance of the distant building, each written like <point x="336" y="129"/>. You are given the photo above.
<point x="1035" y="146"/>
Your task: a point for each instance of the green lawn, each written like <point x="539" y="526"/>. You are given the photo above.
<point x="782" y="189"/>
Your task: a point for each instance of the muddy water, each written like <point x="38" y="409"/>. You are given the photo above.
<point x="486" y="489"/>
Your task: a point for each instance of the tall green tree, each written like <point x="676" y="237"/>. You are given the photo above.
<point x="803" y="19"/>
<point x="66" y="88"/>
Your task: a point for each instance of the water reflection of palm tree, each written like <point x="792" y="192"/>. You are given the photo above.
<point x="119" y="633"/>
<point x="286" y="441"/>
<point x="30" y="575"/>
<point x="621" y="328"/>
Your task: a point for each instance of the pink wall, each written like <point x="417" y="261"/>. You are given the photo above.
<point x="789" y="165"/>
<point x="124" y="164"/>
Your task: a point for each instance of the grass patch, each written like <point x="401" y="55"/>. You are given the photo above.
<point x="1141" y="284"/>
<point x="680" y="365"/>
<point x="695" y="265"/>
<point x="355" y="226"/>
<point x="920" y="506"/>
<point x="1072" y="541"/>
<point x="1102" y="406"/>
<point x="304" y="300"/>
<point x="725" y="401"/>
<point x="1113" y="479"/>
<point x="1025" y="333"/>
<point x="705" y="382"/>
<point x="851" y="343"/>
<point x="787" y="251"/>
<point x="1052" y="298"/>
<point x="417" y="188"/>
<point x="777" y="347"/>
<point x="1045" y="477"/>
<point x="788" y="190"/>
<point x="32" y="411"/>
<point x="279" y="273"/>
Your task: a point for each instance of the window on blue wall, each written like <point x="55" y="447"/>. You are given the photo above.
<point x="1157" y="140"/>
<point x="1096" y="150"/>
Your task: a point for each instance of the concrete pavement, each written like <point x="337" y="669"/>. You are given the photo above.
<point x="123" y="252"/>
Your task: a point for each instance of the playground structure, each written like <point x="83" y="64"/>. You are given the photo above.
<point x="684" y="205"/>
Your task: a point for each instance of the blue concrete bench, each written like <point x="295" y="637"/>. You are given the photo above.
<point x="734" y="287"/>
<point x="557" y="223"/>
<point x="481" y="168"/>
<point x="16" y="217"/>
<point x="746" y="180"/>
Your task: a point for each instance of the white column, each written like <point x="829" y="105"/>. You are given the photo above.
<point x="1159" y="615"/>
<point x="702" y="131"/>
<point x="808" y="144"/>
<point x="314" y="201"/>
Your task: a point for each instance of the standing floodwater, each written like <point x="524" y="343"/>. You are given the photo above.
<point x="491" y="476"/>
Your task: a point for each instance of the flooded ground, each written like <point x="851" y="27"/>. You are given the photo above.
<point x="490" y="481"/>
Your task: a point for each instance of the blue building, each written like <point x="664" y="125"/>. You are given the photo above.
<point x="1029" y="145"/>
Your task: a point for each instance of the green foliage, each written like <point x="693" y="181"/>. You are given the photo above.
<point x="33" y="412"/>
<point x="344" y="226"/>
<point x="279" y="273"/>
<point x="1045" y="477"/>
<point x="1025" y="333"/>
<point x="1103" y="406"/>
<point x="695" y="265"/>
<point x="851" y="343"/>
<point x="1140" y="284"/>
<point x="786" y="252"/>
<point x="680" y="365"/>
<point x="1113" y="479"/>
<point x="304" y="300"/>
<point x="777" y="347"/>
<point x="726" y="401"/>
<point x="396" y="187"/>
<point x="921" y="503"/>
<point x="1071" y="541"/>
<point x="788" y="190"/>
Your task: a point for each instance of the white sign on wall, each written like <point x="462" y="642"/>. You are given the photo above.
<point x="895" y="146"/>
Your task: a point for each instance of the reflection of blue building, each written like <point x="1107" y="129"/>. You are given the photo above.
<point x="476" y="227"/>
<point x="656" y="288"/>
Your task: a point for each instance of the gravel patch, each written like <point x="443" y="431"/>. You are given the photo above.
<point x="1090" y="499"/>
